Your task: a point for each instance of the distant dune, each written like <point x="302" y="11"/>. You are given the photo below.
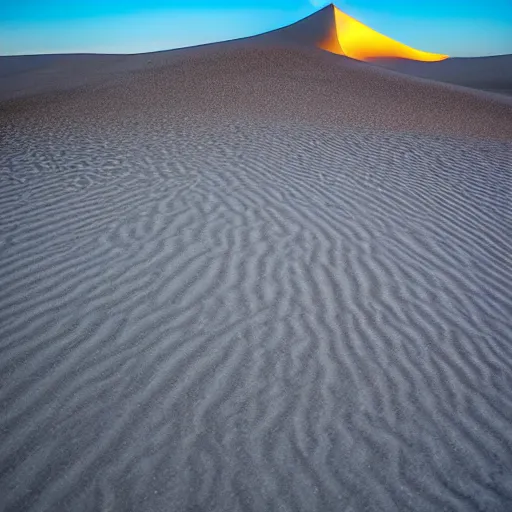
<point x="487" y="73"/>
<point x="252" y="276"/>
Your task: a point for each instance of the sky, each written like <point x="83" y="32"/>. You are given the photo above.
<point x="459" y="28"/>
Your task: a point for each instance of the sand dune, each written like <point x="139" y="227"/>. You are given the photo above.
<point x="329" y="29"/>
<point x="335" y="31"/>
<point x="487" y="73"/>
<point x="252" y="276"/>
<point x="258" y="79"/>
<point x="348" y="36"/>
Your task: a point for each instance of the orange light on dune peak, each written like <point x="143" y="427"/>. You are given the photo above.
<point x="331" y="42"/>
<point x="354" y="39"/>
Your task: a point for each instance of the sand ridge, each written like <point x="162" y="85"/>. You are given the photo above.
<point x="263" y="81"/>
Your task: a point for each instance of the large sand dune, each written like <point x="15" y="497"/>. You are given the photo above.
<point x="252" y="276"/>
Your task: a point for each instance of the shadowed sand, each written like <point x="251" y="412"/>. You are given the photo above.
<point x="487" y="73"/>
<point x="252" y="276"/>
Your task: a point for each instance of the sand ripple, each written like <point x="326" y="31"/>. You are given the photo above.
<point x="255" y="317"/>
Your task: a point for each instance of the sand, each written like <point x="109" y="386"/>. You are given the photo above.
<point x="252" y="277"/>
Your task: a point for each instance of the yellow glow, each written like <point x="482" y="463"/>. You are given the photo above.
<point x="351" y="38"/>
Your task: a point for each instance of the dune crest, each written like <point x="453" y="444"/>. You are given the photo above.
<point x="349" y="37"/>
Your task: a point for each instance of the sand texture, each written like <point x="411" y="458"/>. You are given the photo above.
<point x="251" y="278"/>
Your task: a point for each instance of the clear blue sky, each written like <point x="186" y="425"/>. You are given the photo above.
<point x="455" y="27"/>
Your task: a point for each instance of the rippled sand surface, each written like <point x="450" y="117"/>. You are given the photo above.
<point x="255" y="281"/>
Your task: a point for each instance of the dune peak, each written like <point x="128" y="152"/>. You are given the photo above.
<point x="344" y="35"/>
